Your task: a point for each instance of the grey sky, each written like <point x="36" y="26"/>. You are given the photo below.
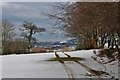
<point x="17" y="12"/>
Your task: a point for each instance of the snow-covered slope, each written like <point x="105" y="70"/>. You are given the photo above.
<point x="36" y="66"/>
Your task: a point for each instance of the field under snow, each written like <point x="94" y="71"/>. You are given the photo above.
<point x="36" y="66"/>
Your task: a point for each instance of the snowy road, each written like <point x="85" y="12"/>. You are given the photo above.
<point x="36" y="66"/>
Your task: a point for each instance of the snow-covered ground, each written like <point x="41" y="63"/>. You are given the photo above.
<point x="36" y="66"/>
<point x="0" y="67"/>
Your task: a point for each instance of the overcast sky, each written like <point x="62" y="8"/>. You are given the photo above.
<point x="18" y="12"/>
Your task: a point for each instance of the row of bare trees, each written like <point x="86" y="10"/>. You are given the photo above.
<point x="93" y="23"/>
<point x="11" y="45"/>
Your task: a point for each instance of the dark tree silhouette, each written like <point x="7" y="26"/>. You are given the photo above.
<point x="29" y="29"/>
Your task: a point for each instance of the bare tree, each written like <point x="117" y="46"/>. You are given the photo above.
<point x="93" y="22"/>
<point x="0" y="38"/>
<point x="7" y="33"/>
<point x="29" y="29"/>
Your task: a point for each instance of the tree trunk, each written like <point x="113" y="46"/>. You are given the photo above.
<point x="29" y="40"/>
<point x="113" y="41"/>
<point x="109" y="41"/>
<point x="117" y="50"/>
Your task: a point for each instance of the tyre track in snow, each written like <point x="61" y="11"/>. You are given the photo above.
<point x="93" y="72"/>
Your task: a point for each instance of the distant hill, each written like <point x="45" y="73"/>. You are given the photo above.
<point x="69" y="42"/>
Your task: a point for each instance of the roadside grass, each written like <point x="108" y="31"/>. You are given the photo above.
<point x="66" y="59"/>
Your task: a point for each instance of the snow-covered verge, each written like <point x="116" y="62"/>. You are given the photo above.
<point x="0" y="67"/>
<point x="36" y="66"/>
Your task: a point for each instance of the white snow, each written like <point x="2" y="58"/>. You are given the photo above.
<point x="36" y="66"/>
<point x="0" y="67"/>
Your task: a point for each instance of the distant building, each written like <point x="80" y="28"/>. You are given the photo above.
<point x="40" y="49"/>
